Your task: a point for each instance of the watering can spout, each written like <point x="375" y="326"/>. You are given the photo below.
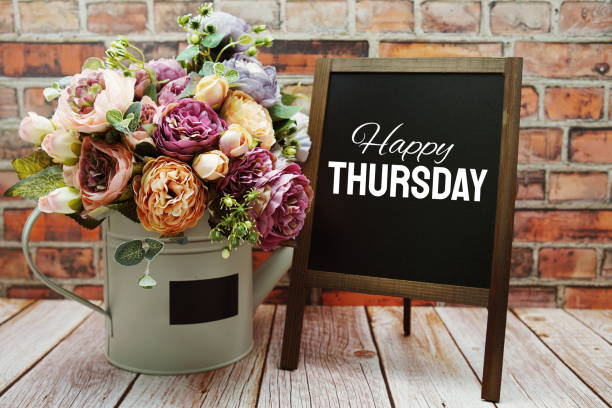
<point x="268" y="274"/>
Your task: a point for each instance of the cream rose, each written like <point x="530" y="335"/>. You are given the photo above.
<point x="235" y="141"/>
<point x="239" y="108"/>
<point x="212" y="89"/>
<point x="211" y="166"/>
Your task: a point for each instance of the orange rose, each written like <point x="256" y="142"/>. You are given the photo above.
<point x="170" y="198"/>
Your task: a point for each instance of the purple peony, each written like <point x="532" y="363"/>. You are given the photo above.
<point x="280" y="210"/>
<point x="255" y="79"/>
<point x="187" y="127"/>
<point x="246" y="172"/>
<point x="167" y="70"/>
<point x="172" y="90"/>
<point x="231" y="27"/>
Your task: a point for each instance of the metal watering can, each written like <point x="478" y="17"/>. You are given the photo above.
<point x="200" y="314"/>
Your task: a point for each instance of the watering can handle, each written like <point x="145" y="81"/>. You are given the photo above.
<point x="25" y="241"/>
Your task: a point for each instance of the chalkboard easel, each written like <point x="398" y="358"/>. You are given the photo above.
<point x="454" y="250"/>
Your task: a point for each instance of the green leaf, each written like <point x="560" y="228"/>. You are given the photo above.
<point x="219" y="68"/>
<point x="281" y="111"/>
<point x="130" y="253"/>
<point x="147" y="282"/>
<point x="127" y="209"/>
<point x="212" y="40"/>
<point x="283" y="128"/>
<point x="51" y="93"/>
<point x="155" y="248"/>
<point x="93" y="63"/>
<point x="188" y="53"/>
<point x="135" y="110"/>
<point x="191" y="86"/>
<point x="151" y="91"/>
<point x="114" y="116"/>
<point x="32" y="164"/>
<point x="146" y="149"/>
<point x="232" y="76"/>
<point x="208" y="68"/>
<point x="85" y="221"/>
<point x="287" y="99"/>
<point x="39" y="184"/>
<point x="245" y="39"/>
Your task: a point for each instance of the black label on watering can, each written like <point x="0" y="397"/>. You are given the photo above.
<point x="202" y="301"/>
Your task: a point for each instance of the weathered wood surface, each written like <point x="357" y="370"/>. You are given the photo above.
<point x="75" y="374"/>
<point x="533" y="377"/>
<point x="424" y="369"/>
<point x="338" y="364"/>
<point x="600" y="321"/>
<point x="27" y="337"/>
<point x="10" y="307"/>
<point x="236" y="385"/>
<point x="585" y="352"/>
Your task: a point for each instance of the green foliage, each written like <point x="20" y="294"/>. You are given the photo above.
<point x="86" y="221"/>
<point x="39" y="184"/>
<point x="130" y="253"/>
<point x="151" y="91"/>
<point x="188" y="53"/>
<point x="282" y="111"/>
<point x="32" y="163"/>
<point x="135" y="109"/>
<point x="212" y="40"/>
<point x="126" y="208"/>
<point x="154" y="248"/>
<point x="191" y="86"/>
<point x="93" y="63"/>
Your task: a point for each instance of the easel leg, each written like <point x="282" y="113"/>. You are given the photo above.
<point x="407" y="317"/>
<point x="293" y="326"/>
<point x="494" y="352"/>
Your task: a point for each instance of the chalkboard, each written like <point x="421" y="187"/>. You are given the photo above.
<point x="413" y="166"/>
<point x="425" y="208"/>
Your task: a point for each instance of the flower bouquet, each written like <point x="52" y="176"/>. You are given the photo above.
<point x="165" y="141"/>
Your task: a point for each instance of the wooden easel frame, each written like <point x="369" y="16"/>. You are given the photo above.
<point x="496" y="297"/>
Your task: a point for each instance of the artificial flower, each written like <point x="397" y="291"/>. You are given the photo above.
<point x="247" y="172"/>
<point x="63" y="146"/>
<point x="232" y="28"/>
<point x="149" y="112"/>
<point x="211" y="166"/>
<point x="143" y="80"/>
<point x="63" y="200"/>
<point x="33" y="128"/>
<point x="169" y="197"/>
<point x="239" y="108"/>
<point x="166" y="70"/>
<point x="280" y="210"/>
<point x="235" y="141"/>
<point x="257" y="80"/>
<point x="83" y="104"/>
<point x="104" y="172"/>
<point x="212" y="90"/>
<point x="69" y="174"/>
<point x="301" y="135"/>
<point x="187" y="127"/>
<point x="171" y="91"/>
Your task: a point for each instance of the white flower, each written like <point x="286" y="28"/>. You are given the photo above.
<point x="301" y="135"/>
<point x="64" y="146"/>
<point x="63" y="200"/>
<point x="34" y="128"/>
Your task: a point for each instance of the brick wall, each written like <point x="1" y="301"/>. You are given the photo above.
<point x="563" y="228"/>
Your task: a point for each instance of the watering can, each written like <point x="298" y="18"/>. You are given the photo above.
<point x="199" y="316"/>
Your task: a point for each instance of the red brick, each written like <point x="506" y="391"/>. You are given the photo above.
<point x="540" y="145"/>
<point x="520" y="18"/>
<point x="384" y="16"/>
<point x="92" y="292"/>
<point x="450" y="17"/>
<point x="340" y="298"/>
<point x="46" y="59"/>
<point x="529" y="101"/>
<point x="49" y="16"/>
<point x="563" y="226"/>
<point x="34" y="101"/>
<point x="49" y="227"/>
<point x="588" y="298"/>
<point x="316" y="16"/>
<point x="591" y="145"/>
<point x="254" y="12"/>
<point x="586" y="18"/>
<point x="7" y="180"/>
<point x="8" y="103"/>
<point x="166" y="13"/>
<point x="155" y="50"/>
<point x="13" y="263"/>
<point x="606" y="268"/>
<point x="299" y="57"/>
<point x="117" y="18"/>
<point x="416" y="50"/>
<point x="7" y="19"/>
<point x="522" y="262"/>
<point x="11" y="145"/>
<point x="573" y="103"/>
<point x="579" y="186"/>
<point x="567" y="263"/>
<point x="532" y="297"/>
<point x="277" y="296"/>
<point x="32" y="292"/>
<point x="530" y="185"/>
<point x="564" y="60"/>
<point x="66" y="263"/>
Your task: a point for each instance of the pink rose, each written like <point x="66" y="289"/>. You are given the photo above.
<point x="33" y="128"/>
<point x="104" y="172"/>
<point x="83" y="104"/>
<point x="63" y="200"/>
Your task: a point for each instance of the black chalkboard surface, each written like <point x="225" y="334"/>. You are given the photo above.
<point x="440" y="132"/>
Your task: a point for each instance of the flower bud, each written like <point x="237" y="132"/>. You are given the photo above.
<point x="63" y="146"/>
<point x="64" y="200"/>
<point x="225" y="253"/>
<point x="235" y="141"/>
<point x="194" y="39"/>
<point x="211" y="166"/>
<point x="212" y="90"/>
<point x="69" y="173"/>
<point x="182" y="20"/>
<point x="259" y="28"/>
<point x="34" y="128"/>
<point x="251" y="52"/>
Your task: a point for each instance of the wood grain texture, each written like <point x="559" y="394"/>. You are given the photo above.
<point x="26" y="338"/>
<point x="586" y="353"/>
<point x="533" y="376"/>
<point x="236" y="385"/>
<point x="10" y="307"/>
<point x="600" y="321"/>
<point x="472" y="65"/>
<point x="75" y="374"/>
<point x="339" y="365"/>
<point x="425" y="369"/>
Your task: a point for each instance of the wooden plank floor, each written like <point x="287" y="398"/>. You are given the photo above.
<point x="51" y="355"/>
